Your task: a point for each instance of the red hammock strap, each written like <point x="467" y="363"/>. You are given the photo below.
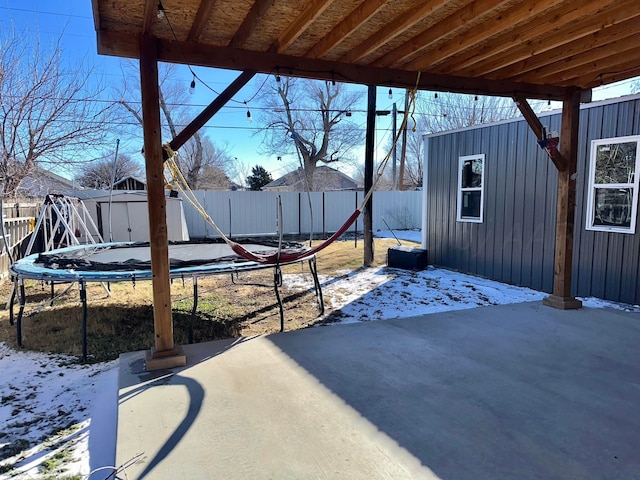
<point x="293" y="257"/>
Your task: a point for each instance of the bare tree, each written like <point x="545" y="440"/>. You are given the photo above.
<point x="310" y="118"/>
<point x="201" y="162"/>
<point x="98" y="173"/>
<point x="449" y="111"/>
<point x="51" y="113"/>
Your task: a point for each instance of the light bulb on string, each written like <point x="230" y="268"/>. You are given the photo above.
<point x="192" y="86"/>
<point x="160" y="13"/>
<point x="249" y="119"/>
<point x="390" y="94"/>
<point x="435" y="95"/>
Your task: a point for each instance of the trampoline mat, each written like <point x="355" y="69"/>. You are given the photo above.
<point x="137" y="256"/>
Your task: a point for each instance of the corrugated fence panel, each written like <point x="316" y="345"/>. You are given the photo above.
<point x="255" y="213"/>
<point x="400" y="210"/>
<point x="338" y="207"/>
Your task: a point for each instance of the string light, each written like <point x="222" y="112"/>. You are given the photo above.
<point x="160" y="13"/>
<point x="390" y="94"/>
<point x="435" y="95"/>
<point x="249" y="119"/>
<point x="192" y="87"/>
<point x="475" y="98"/>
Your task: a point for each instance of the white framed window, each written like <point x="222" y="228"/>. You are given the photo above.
<point x="614" y="170"/>
<point x="471" y="188"/>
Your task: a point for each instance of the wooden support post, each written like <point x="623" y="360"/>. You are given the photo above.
<point x="368" y="175"/>
<point x="561" y="297"/>
<point x="164" y="355"/>
<point x="214" y="107"/>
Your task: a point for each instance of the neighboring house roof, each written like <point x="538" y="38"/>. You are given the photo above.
<point x="130" y="183"/>
<point x="324" y="179"/>
<point x="41" y="182"/>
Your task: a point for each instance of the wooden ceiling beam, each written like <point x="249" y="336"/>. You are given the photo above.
<point x="398" y="26"/>
<point x="511" y="19"/>
<point x="346" y="27"/>
<point x="119" y="44"/>
<point x="258" y="10"/>
<point x="201" y="19"/>
<point x="562" y="52"/>
<point x="561" y="36"/>
<point x="599" y="59"/>
<point x="298" y="26"/>
<point x="568" y="13"/>
<point x="461" y="20"/>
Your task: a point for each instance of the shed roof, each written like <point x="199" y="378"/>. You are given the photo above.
<point x="540" y="49"/>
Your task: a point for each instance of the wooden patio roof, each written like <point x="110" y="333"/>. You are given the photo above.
<point x="539" y="49"/>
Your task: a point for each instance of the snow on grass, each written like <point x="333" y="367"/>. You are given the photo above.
<point x="46" y="410"/>
<point x="386" y="293"/>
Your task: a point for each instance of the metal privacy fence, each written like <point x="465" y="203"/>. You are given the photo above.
<point x="244" y="213"/>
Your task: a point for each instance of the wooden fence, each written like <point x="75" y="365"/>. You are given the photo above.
<point x="17" y="230"/>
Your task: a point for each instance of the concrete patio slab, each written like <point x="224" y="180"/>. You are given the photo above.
<point x="516" y="391"/>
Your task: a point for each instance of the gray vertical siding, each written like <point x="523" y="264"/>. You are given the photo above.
<point x="515" y="243"/>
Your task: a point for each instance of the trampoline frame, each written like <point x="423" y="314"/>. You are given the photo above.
<point x="25" y="269"/>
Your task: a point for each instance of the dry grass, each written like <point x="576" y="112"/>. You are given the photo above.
<point x="124" y="321"/>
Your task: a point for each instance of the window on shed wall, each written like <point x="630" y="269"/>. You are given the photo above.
<point x="471" y="188"/>
<point x="613" y="184"/>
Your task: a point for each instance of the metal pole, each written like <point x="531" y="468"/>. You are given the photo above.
<point x="113" y="180"/>
<point x="394" y="113"/>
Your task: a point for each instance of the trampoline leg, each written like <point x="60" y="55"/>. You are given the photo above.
<point x="316" y="283"/>
<point x="83" y="299"/>
<point x="277" y="282"/>
<point x="12" y="300"/>
<point x="53" y="294"/>
<point x="23" y="301"/>
<point x="193" y="310"/>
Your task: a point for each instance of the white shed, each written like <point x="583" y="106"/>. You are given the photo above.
<point x="130" y="217"/>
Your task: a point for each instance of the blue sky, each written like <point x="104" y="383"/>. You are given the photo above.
<point x="73" y="20"/>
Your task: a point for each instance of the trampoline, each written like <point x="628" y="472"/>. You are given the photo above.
<point x="130" y="261"/>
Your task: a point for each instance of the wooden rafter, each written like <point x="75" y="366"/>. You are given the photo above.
<point x="569" y="13"/>
<point x="395" y="28"/>
<point x="357" y="17"/>
<point x="511" y="59"/>
<point x="202" y="17"/>
<point x="257" y="12"/>
<point x="265" y="62"/>
<point x="619" y="71"/>
<point x="605" y="57"/>
<point x="566" y="51"/>
<point x="297" y="27"/>
<point x="150" y="13"/>
<point x="511" y="19"/>
<point x="458" y="21"/>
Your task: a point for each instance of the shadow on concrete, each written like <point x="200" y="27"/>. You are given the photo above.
<point x="516" y="391"/>
<point x="139" y="380"/>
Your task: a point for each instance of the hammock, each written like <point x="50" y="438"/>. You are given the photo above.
<point x="284" y="257"/>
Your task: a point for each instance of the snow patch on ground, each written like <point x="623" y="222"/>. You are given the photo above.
<point x="46" y="410"/>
